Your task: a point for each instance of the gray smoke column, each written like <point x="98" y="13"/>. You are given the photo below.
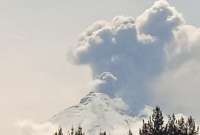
<point x="130" y="57"/>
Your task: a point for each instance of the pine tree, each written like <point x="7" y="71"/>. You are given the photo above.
<point x="146" y="128"/>
<point x="130" y="132"/>
<point x="72" y="131"/>
<point x="170" y="128"/>
<point x="157" y="119"/>
<point x="79" y="131"/>
<point x="102" y="133"/>
<point x="59" y="132"/>
<point x="181" y="126"/>
<point x="191" y="127"/>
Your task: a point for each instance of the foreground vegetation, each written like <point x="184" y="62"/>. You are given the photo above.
<point x="154" y="126"/>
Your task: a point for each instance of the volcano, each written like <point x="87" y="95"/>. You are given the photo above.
<point x="98" y="112"/>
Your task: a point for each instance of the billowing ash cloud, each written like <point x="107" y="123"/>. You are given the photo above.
<point x="132" y="58"/>
<point x="160" y="21"/>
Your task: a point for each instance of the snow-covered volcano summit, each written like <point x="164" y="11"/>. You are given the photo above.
<point x="96" y="112"/>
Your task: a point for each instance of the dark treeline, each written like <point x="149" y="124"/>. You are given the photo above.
<point x="154" y="126"/>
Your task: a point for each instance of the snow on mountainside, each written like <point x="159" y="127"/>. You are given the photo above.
<point x="96" y="112"/>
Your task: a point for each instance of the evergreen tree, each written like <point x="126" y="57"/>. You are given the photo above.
<point x="181" y="126"/>
<point x="102" y="133"/>
<point x="130" y="132"/>
<point x="72" y="131"/>
<point x="59" y="132"/>
<point x="79" y="131"/>
<point x="170" y="128"/>
<point x="157" y="119"/>
<point x="191" y="127"/>
<point x="146" y="128"/>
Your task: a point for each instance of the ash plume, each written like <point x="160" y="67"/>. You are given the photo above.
<point x="136" y="59"/>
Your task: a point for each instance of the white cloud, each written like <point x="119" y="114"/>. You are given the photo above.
<point x="32" y="128"/>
